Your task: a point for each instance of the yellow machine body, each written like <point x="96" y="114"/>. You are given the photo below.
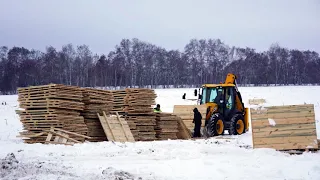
<point x="227" y="111"/>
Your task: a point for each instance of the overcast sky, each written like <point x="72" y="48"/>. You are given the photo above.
<point x="102" y="24"/>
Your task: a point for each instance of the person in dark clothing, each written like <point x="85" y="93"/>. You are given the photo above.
<point x="157" y="109"/>
<point x="184" y="96"/>
<point x="197" y="122"/>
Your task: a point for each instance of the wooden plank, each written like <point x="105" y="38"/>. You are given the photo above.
<point x="289" y="146"/>
<point x="106" y="127"/>
<point x="125" y="130"/>
<point x="121" y="128"/>
<point x="49" y="137"/>
<point x="64" y="136"/>
<point x="284" y="127"/>
<point x="297" y="127"/>
<point x="68" y="132"/>
<point x="284" y="140"/>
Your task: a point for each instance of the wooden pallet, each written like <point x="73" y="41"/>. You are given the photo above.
<point x="62" y="137"/>
<point x="55" y="91"/>
<point x="45" y="136"/>
<point x="97" y="96"/>
<point x="185" y="112"/>
<point x="183" y="131"/>
<point x="290" y="127"/>
<point x="166" y="126"/>
<point x="52" y="103"/>
<point x="116" y="128"/>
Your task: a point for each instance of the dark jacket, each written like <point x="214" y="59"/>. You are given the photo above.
<point x="197" y="117"/>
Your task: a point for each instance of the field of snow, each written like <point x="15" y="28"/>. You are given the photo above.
<point x="229" y="158"/>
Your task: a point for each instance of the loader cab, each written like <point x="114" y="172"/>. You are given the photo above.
<point x="221" y="95"/>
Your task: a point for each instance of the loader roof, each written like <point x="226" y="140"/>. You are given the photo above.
<point x="218" y="85"/>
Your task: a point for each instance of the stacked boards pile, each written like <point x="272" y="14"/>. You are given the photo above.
<point x="166" y="126"/>
<point x="52" y="105"/>
<point x="290" y="127"/>
<point x="96" y="101"/>
<point x="139" y="113"/>
<point x="185" y="112"/>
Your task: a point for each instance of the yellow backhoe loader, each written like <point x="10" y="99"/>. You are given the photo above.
<point x="225" y="109"/>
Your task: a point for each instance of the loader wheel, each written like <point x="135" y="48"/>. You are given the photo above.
<point x="215" y="125"/>
<point x="237" y="125"/>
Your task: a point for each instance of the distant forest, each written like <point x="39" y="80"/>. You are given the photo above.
<point x="135" y="63"/>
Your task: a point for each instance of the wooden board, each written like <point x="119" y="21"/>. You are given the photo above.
<point x="116" y="128"/>
<point x="256" y="101"/>
<point x="185" y="112"/>
<point x="284" y="127"/>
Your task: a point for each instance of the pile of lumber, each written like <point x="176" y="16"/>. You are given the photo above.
<point x="139" y="113"/>
<point x="290" y="127"/>
<point x="185" y="112"/>
<point x="166" y="126"/>
<point x="48" y="106"/>
<point x="96" y="101"/>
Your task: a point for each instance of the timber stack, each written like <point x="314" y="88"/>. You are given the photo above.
<point x="51" y="106"/>
<point x="284" y="128"/>
<point x="139" y="113"/>
<point x="96" y="101"/>
<point x="166" y="126"/>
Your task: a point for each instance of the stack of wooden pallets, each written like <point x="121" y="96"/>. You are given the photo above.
<point x="139" y="113"/>
<point x="52" y="105"/>
<point x="290" y="127"/>
<point x="96" y="101"/>
<point x="167" y="126"/>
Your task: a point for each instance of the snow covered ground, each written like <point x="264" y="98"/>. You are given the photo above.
<point x="231" y="158"/>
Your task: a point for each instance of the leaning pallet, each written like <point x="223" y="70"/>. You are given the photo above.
<point x="185" y="112"/>
<point x="52" y="105"/>
<point x="96" y="101"/>
<point x="115" y="128"/>
<point x="290" y="127"/>
<point x="166" y="126"/>
<point x="183" y="131"/>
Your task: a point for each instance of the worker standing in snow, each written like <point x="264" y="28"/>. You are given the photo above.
<point x="157" y="109"/>
<point x="197" y="122"/>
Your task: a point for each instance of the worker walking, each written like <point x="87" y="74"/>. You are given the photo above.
<point x="157" y="109"/>
<point x="197" y="122"/>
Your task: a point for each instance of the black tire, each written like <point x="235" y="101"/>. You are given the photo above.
<point x="237" y="125"/>
<point x="215" y="126"/>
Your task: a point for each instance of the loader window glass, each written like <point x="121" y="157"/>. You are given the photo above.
<point x="213" y="94"/>
<point x="229" y="99"/>
<point x="204" y="96"/>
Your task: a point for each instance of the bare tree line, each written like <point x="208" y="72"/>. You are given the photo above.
<point x="140" y="64"/>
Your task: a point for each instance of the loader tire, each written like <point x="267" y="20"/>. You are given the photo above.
<point x="237" y="125"/>
<point x="215" y="126"/>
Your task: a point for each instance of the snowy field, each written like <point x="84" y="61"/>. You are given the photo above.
<point x="232" y="158"/>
